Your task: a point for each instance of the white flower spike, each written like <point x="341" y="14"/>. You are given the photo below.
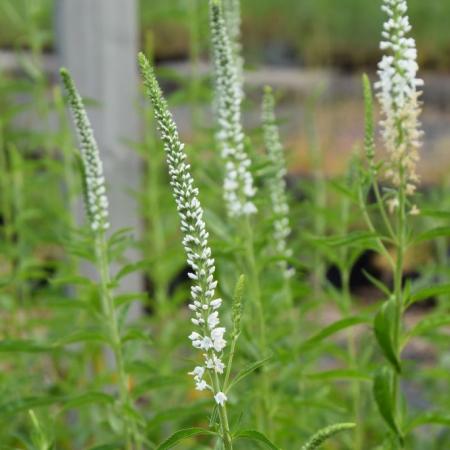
<point x="208" y="337"/>
<point x="238" y="185"/>
<point x="398" y="93"/>
<point x="96" y="201"/>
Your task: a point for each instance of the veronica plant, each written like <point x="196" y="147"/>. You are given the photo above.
<point x="96" y="204"/>
<point x="232" y="11"/>
<point x="239" y="187"/>
<point x="277" y="183"/>
<point x="208" y="336"/>
<point x="398" y="95"/>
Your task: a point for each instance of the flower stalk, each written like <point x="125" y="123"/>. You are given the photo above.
<point x="238" y="187"/>
<point x="96" y="204"/>
<point x="398" y="94"/>
<point x="277" y="184"/>
<point x="208" y="336"/>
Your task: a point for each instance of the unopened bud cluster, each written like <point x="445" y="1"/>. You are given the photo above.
<point x="94" y="180"/>
<point x="277" y="183"/>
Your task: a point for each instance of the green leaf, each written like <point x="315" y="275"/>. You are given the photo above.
<point x="355" y="237"/>
<point x="136" y="334"/>
<point x="180" y="412"/>
<point x="26" y="403"/>
<point x="131" y="268"/>
<point x="429" y="418"/>
<point x="332" y="329"/>
<point x="247" y="371"/>
<point x="325" y="433"/>
<point x="255" y="436"/>
<point x="158" y="382"/>
<point x="433" y="234"/>
<point x="23" y="346"/>
<point x="87" y="398"/>
<point x="83" y="336"/>
<point x="180" y="435"/>
<point x="377" y="283"/>
<point x="382" y="391"/>
<point x="125" y="299"/>
<point x="339" y="374"/>
<point x="435" y="213"/>
<point x="112" y="446"/>
<point x="425" y="325"/>
<point x="428" y="292"/>
<point x="76" y="280"/>
<point x="383" y="328"/>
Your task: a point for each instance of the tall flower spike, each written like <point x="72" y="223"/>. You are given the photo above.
<point x="232" y="11"/>
<point x="277" y="183"/>
<point x="96" y="201"/>
<point x="398" y="94"/>
<point x="239" y="187"/>
<point x="208" y="336"/>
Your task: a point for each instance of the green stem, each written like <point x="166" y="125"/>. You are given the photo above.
<point x="353" y="357"/>
<point x="381" y="247"/>
<point x="265" y="420"/>
<point x="381" y="207"/>
<point x="157" y="239"/>
<point x="109" y="311"/>
<point x="398" y="292"/>
<point x="223" y="414"/>
<point x="230" y="362"/>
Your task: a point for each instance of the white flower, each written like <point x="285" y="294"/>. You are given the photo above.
<point x="217" y="338"/>
<point x="198" y="372"/>
<point x="239" y="187"/>
<point x="96" y="201"/>
<point x="213" y="320"/>
<point x="398" y="94"/>
<point x="220" y="398"/>
<point x="202" y="385"/>
<point x="216" y="303"/>
<point x="195" y="240"/>
<point x="194" y="336"/>
<point x="206" y="343"/>
<point x="215" y="363"/>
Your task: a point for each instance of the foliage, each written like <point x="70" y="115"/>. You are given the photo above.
<point x="303" y="352"/>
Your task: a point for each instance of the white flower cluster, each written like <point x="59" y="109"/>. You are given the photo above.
<point x="232" y="10"/>
<point x="239" y="187"/>
<point x="398" y="94"/>
<point x="95" y="189"/>
<point x="209" y="336"/>
<point x="277" y="183"/>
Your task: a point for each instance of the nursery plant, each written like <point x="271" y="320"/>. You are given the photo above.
<point x="250" y="332"/>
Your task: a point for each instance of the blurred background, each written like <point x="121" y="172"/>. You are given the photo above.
<point x="301" y="47"/>
<point x="312" y="52"/>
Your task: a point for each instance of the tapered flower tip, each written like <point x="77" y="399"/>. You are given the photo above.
<point x="268" y="90"/>
<point x="67" y="78"/>
<point x="144" y="64"/>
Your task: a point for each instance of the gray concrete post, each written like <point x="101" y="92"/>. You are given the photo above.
<point x="97" y="41"/>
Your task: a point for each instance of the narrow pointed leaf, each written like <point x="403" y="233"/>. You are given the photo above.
<point x="254" y="435"/>
<point x="180" y="435"/>
<point x="382" y="391"/>
<point x="383" y="326"/>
